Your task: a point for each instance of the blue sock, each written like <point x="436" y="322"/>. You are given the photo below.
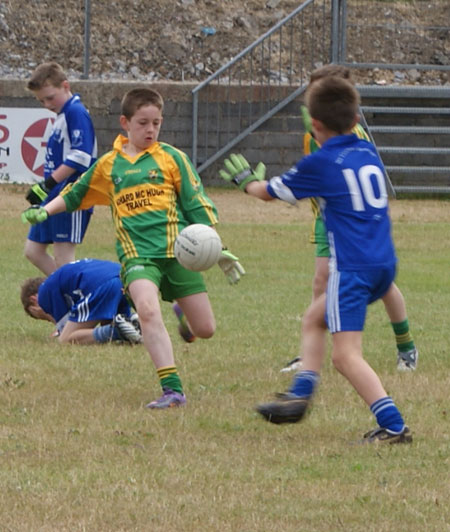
<point x="387" y="414"/>
<point x="304" y="383"/>
<point x="106" y="333"/>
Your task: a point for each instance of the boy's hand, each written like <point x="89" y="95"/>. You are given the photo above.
<point x="238" y="171"/>
<point x="39" y="191"/>
<point x="34" y="215"/>
<point x="230" y="266"/>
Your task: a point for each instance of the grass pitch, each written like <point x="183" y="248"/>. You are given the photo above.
<point x="78" y="451"/>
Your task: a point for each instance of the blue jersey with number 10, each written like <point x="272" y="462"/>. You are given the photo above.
<point x="347" y="176"/>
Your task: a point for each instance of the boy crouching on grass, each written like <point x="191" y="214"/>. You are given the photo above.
<point x="85" y="300"/>
<point x="347" y="175"/>
<point x="154" y="192"/>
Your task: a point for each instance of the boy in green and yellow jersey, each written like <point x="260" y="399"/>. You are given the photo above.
<point x="153" y="191"/>
<point x="407" y="353"/>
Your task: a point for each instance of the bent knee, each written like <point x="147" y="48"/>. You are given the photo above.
<point x="341" y="359"/>
<point x="29" y="253"/>
<point x="337" y="360"/>
<point x="204" y="330"/>
<point x="148" y="314"/>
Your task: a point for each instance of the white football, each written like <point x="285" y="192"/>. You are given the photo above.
<point x="198" y="247"/>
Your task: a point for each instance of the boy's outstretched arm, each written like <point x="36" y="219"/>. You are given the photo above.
<point x="258" y="189"/>
<point x="35" y="214"/>
<point x="238" y="171"/>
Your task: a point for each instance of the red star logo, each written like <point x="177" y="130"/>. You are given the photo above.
<point x="34" y="144"/>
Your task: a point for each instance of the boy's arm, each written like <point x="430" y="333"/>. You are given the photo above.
<point x="258" y="189"/>
<point x="36" y="214"/>
<point x="56" y="206"/>
<point x="81" y="154"/>
<point x="192" y="199"/>
<point x="90" y="189"/>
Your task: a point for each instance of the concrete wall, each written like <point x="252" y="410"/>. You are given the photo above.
<point x="277" y="142"/>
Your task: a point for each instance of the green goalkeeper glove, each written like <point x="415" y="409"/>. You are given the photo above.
<point x="238" y="171"/>
<point x="306" y="117"/>
<point x="39" y="191"/>
<point x="34" y="215"/>
<point x="230" y="266"/>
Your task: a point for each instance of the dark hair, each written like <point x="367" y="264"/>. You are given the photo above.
<point x="331" y="70"/>
<point x="137" y="98"/>
<point x="30" y="288"/>
<point x="46" y="73"/>
<point x="335" y="102"/>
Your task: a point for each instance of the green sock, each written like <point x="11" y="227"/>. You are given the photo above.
<point x="169" y="378"/>
<point x="403" y="337"/>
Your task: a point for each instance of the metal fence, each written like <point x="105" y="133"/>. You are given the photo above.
<point x="259" y="81"/>
<point x="273" y="71"/>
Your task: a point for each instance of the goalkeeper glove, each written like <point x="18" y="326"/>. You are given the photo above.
<point x="238" y="171"/>
<point x="39" y="191"/>
<point x="34" y="215"/>
<point x="230" y="266"/>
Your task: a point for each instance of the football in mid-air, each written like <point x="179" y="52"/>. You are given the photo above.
<point x="198" y="247"/>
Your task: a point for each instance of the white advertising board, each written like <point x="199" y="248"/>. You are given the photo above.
<point x="23" y="140"/>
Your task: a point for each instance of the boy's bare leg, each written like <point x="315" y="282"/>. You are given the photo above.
<point x="319" y="287"/>
<point x="78" y="333"/>
<point x="348" y="360"/>
<point x="64" y="252"/>
<point x="395" y="304"/>
<point x="407" y="353"/>
<point x="144" y="294"/>
<point x="314" y="335"/>
<point x="37" y="254"/>
<point x="199" y="314"/>
<point x="320" y="279"/>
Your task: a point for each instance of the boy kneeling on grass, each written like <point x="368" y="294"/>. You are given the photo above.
<point x="346" y="175"/>
<point x="85" y="300"/>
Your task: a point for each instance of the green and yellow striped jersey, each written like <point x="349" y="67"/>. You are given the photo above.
<point x="152" y="197"/>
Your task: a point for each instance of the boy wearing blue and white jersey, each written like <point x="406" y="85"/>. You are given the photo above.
<point x="347" y="177"/>
<point x="71" y="150"/>
<point x="79" y="296"/>
<point x="355" y="207"/>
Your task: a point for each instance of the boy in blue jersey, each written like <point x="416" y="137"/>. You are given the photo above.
<point x="346" y="175"/>
<point x="86" y="301"/>
<point x="71" y="150"/>
<point x="407" y="353"/>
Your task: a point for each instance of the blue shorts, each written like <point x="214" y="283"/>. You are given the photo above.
<point x="350" y="293"/>
<point x="102" y="304"/>
<point x="63" y="227"/>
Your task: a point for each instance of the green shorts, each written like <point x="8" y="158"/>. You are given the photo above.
<point x="172" y="279"/>
<point x="320" y="238"/>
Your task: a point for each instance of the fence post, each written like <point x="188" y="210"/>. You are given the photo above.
<point x="338" y="30"/>
<point x="194" y="127"/>
<point x="87" y="38"/>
